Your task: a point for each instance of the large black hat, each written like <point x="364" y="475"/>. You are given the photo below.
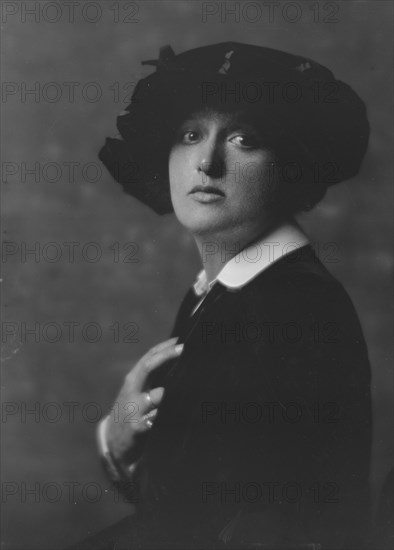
<point x="296" y="99"/>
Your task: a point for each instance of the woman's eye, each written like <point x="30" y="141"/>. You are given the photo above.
<point x="243" y="140"/>
<point x="189" y="136"/>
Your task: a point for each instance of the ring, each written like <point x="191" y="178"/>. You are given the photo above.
<point x="151" y="413"/>
<point x="149" y="423"/>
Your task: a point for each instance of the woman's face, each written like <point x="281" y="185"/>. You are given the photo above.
<point x="221" y="174"/>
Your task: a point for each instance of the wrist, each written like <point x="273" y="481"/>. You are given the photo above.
<point x="117" y="469"/>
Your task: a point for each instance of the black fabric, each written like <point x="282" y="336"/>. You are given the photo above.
<point x="287" y="465"/>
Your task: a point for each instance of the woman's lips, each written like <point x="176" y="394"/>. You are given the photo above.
<point x="201" y="196"/>
<point x="206" y="194"/>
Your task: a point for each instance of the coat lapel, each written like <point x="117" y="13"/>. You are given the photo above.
<point x="217" y="292"/>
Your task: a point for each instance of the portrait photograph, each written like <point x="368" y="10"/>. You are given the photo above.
<point x="197" y="275"/>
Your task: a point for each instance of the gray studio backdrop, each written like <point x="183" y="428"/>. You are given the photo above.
<point x="92" y="279"/>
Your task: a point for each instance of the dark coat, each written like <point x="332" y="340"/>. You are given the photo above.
<point x="264" y="432"/>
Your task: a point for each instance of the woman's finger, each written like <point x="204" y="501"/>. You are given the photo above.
<point x="156" y="395"/>
<point x="151" y="399"/>
<point x="162" y="345"/>
<point x="134" y="372"/>
<point x="151" y="362"/>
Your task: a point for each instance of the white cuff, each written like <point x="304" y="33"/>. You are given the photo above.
<point x="102" y="436"/>
<point x="116" y="474"/>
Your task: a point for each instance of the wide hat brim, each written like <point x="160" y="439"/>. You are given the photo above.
<point x="294" y="98"/>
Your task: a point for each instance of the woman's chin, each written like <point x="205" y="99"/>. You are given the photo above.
<point x="202" y="223"/>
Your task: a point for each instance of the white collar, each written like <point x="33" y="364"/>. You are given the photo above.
<point x="255" y="258"/>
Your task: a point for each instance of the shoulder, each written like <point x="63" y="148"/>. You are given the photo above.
<point x="308" y="312"/>
<point x="314" y="328"/>
<point x="298" y="282"/>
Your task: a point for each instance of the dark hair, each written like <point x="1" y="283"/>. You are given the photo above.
<point x="303" y="181"/>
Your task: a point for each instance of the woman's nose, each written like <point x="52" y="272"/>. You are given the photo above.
<point x="211" y="161"/>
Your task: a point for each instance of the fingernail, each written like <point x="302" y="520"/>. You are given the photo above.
<point x="179" y="348"/>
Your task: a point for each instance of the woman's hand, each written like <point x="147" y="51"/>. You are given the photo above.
<point x="137" y="404"/>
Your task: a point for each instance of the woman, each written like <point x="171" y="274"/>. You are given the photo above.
<point x="251" y="425"/>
